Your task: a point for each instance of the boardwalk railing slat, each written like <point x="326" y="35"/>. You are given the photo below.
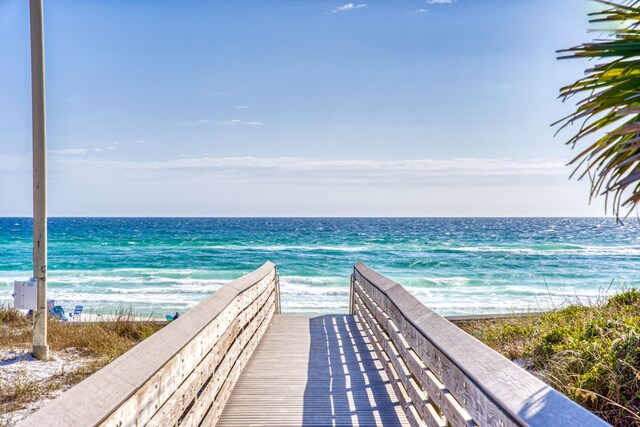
<point x="430" y="385"/>
<point x="394" y="378"/>
<point x="387" y="351"/>
<point x="464" y="380"/>
<point x="155" y="382"/>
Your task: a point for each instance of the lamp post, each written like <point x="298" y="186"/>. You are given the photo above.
<point x="40" y="347"/>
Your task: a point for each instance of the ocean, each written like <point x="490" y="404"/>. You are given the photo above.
<point x="157" y="266"/>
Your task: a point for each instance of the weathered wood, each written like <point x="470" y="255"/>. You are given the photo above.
<point x="351" y="290"/>
<point x="490" y="388"/>
<point x="313" y="371"/>
<point x="186" y="393"/>
<point x="215" y="411"/>
<point x="473" y="399"/>
<point x="412" y="401"/>
<point x="148" y="398"/>
<point x="168" y="366"/>
<point x="418" y="397"/>
<point x="394" y="378"/>
<point x="278" y="301"/>
<point x="208" y="393"/>
<point x="395" y="362"/>
<point x="175" y="406"/>
<point x="436" y="392"/>
<point x="490" y="317"/>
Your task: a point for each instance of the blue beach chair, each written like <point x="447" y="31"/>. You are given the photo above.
<point x="171" y="318"/>
<point x="57" y="312"/>
<point x="77" y="312"/>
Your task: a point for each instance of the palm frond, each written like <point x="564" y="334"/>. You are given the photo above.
<point x="610" y="107"/>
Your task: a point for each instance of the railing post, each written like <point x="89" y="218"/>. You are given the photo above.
<point x="278" y="302"/>
<point x="351" y="290"/>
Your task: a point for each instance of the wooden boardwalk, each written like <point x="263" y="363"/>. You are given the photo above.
<point x="235" y="360"/>
<point x="313" y="371"/>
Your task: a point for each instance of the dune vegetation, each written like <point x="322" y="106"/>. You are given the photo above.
<point x="590" y="352"/>
<point x="87" y="346"/>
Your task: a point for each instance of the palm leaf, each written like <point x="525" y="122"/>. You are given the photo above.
<point x="609" y="109"/>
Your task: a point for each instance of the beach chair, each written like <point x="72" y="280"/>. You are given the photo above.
<point x="77" y="312"/>
<point x="171" y="318"/>
<point x="57" y="312"/>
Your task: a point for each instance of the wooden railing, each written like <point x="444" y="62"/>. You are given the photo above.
<point x="182" y="374"/>
<point x="443" y="376"/>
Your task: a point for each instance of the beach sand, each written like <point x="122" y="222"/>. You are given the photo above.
<point x="18" y="368"/>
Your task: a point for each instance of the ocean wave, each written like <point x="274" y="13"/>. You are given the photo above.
<point x="316" y="292"/>
<point x="314" y="280"/>
<point x="301" y="307"/>
<point x="565" y="249"/>
<point x="277" y="248"/>
<point x="196" y="288"/>
<point x="441" y="281"/>
<point x="138" y="301"/>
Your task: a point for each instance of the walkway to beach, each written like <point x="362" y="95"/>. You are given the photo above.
<point x="234" y="359"/>
<point x="313" y="371"/>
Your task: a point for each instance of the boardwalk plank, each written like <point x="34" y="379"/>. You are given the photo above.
<point x="313" y="371"/>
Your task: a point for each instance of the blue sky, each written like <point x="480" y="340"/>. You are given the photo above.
<point x="418" y="108"/>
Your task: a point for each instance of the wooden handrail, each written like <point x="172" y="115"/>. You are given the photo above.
<point x="184" y="372"/>
<point x="442" y="375"/>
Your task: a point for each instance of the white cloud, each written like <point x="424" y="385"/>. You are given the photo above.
<point x="236" y="122"/>
<point x="422" y="11"/>
<point x="470" y="171"/>
<point x="231" y="122"/>
<point x="95" y="185"/>
<point x="242" y="107"/>
<point x="81" y="151"/>
<point x="69" y="151"/>
<point x="308" y="168"/>
<point x="440" y="1"/>
<point x="349" y="6"/>
<point x="196" y="122"/>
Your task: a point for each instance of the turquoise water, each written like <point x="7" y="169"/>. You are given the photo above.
<point x="453" y="265"/>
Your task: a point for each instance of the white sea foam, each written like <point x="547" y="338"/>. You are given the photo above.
<point x="442" y="281"/>
<point x="276" y="248"/>
<point x="314" y="280"/>
<point x="567" y="249"/>
<point x="164" y="290"/>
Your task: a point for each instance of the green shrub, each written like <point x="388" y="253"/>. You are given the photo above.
<point x="591" y="353"/>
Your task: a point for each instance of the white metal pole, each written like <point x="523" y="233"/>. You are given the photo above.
<point x="40" y="347"/>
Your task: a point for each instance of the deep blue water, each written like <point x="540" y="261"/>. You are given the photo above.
<point x="454" y="265"/>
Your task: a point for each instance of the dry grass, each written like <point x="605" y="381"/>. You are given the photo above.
<point x="590" y="352"/>
<point x="97" y="342"/>
<point x="22" y="389"/>
<point x="106" y="340"/>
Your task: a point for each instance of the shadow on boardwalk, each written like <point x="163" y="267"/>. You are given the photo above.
<point x="344" y="386"/>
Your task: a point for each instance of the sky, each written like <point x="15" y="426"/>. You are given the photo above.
<point x="295" y="108"/>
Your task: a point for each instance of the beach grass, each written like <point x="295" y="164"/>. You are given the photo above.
<point x="94" y="343"/>
<point x="590" y="352"/>
<point x="105" y="339"/>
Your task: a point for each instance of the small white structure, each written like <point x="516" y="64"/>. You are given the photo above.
<point x="25" y="294"/>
